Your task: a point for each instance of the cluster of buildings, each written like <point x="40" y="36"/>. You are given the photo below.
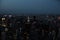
<point x="29" y="27"/>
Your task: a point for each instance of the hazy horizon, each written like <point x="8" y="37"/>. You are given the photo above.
<point x="29" y="6"/>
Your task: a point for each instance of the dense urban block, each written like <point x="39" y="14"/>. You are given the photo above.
<point x="43" y="27"/>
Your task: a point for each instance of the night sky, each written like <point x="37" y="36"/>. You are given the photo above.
<point x="30" y="6"/>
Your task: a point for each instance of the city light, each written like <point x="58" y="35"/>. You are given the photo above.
<point x="28" y="19"/>
<point x="3" y="19"/>
<point x="10" y="15"/>
<point x="5" y="15"/>
<point x="6" y="29"/>
<point x="3" y="25"/>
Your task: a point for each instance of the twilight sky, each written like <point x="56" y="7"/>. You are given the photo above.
<point x="29" y="6"/>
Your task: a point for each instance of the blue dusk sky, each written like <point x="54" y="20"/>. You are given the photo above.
<point x="30" y="6"/>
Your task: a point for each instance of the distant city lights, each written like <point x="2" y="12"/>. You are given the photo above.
<point x="3" y="19"/>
